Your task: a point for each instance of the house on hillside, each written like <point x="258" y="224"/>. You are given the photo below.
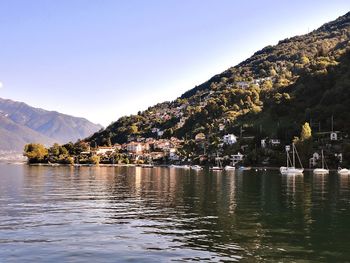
<point x="105" y="150"/>
<point x="275" y="142"/>
<point x="229" y="139"/>
<point x="173" y="155"/>
<point x="333" y="136"/>
<point x="134" y="147"/>
<point x="236" y="158"/>
<point x="242" y="84"/>
<point x="314" y="159"/>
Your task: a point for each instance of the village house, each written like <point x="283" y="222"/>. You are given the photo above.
<point x="155" y="130"/>
<point x="313" y="160"/>
<point x="242" y="84"/>
<point x="230" y="139"/>
<point x="104" y="150"/>
<point x="163" y="145"/>
<point x="160" y="133"/>
<point x="334" y="136"/>
<point x="275" y="142"/>
<point x="173" y="155"/>
<point x="134" y="147"/>
<point x="339" y="156"/>
<point x="157" y="155"/>
<point x="236" y="158"/>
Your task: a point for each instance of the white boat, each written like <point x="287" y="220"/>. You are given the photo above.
<point x="290" y="169"/>
<point x="244" y="168"/>
<point x="175" y="166"/>
<point x="229" y="168"/>
<point x="216" y="168"/>
<point x="196" y="167"/>
<point x="322" y="170"/>
<point x="180" y="166"/>
<point x="343" y="171"/>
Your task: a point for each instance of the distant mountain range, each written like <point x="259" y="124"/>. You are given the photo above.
<point x="21" y="124"/>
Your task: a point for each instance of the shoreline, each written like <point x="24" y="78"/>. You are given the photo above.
<point x="252" y="168"/>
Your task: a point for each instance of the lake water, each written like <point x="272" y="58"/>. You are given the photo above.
<point x="104" y="214"/>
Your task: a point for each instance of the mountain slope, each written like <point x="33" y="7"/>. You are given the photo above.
<point x="21" y="124"/>
<point x="271" y="93"/>
<point x="14" y="136"/>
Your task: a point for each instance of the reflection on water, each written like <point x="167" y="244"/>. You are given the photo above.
<point x="102" y="214"/>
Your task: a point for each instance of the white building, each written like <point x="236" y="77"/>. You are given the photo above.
<point x="334" y="136"/>
<point x="313" y="160"/>
<point x="134" y="147"/>
<point x="339" y="156"/>
<point x="236" y="158"/>
<point x="160" y="133"/>
<point x="275" y="142"/>
<point x="173" y="155"/>
<point x="105" y="150"/>
<point x="229" y="139"/>
<point x="242" y="84"/>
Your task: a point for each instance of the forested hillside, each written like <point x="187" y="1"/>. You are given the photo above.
<point x="303" y="78"/>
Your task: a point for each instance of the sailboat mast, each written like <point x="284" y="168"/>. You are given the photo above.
<point x="293" y="156"/>
<point x="322" y="160"/>
<point x="332" y="123"/>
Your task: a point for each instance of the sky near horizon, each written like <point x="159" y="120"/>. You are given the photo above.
<point x="105" y="59"/>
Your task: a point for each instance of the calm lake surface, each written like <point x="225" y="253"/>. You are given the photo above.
<point x="132" y="214"/>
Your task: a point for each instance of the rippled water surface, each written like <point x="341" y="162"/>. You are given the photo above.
<point x="105" y="214"/>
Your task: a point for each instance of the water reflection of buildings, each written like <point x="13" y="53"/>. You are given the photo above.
<point x="344" y="184"/>
<point x="319" y="184"/>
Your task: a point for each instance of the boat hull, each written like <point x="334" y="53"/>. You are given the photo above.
<point x="196" y="167"/>
<point x="230" y="168"/>
<point x="215" y="168"/>
<point x="344" y="172"/>
<point x="291" y="171"/>
<point x="321" y="171"/>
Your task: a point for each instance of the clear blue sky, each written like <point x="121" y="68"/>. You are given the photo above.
<point x="103" y="59"/>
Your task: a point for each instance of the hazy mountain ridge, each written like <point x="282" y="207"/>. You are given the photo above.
<point x="21" y="124"/>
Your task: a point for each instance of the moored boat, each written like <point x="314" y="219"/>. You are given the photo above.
<point x="343" y="171"/>
<point x="244" y="168"/>
<point x="321" y="171"/>
<point x="218" y="166"/>
<point x="229" y="168"/>
<point x="196" y="167"/>
<point x="290" y="169"/>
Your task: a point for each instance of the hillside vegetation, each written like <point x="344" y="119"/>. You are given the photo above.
<point x="303" y="78"/>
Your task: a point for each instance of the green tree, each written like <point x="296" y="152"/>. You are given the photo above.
<point x="35" y="152"/>
<point x="95" y="159"/>
<point x="133" y="129"/>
